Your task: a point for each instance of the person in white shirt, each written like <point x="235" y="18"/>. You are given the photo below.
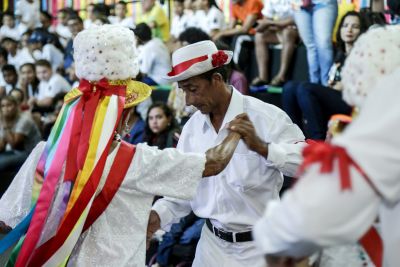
<point x="11" y="46"/>
<point x="10" y="28"/>
<point x="352" y="183"/>
<point x="10" y="77"/>
<point x="40" y="48"/>
<point x="28" y="13"/>
<point x="50" y="84"/>
<point x="90" y="16"/>
<point x="62" y="29"/>
<point x="120" y="16"/>
<point x="154" y="58"/>
<point x="180" y="21"/>
<point x="271" y="147"/>
<point x="211" y="18"/>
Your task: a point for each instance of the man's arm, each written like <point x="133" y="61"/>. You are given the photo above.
<point x="244" y="29"/>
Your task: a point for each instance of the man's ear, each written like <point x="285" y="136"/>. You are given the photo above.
<point x="217" y="77"/>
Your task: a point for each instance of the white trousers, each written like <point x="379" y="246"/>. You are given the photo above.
<point x="214" y="252"/>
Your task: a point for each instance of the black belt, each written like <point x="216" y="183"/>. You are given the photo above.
<point x="229" y="236"/>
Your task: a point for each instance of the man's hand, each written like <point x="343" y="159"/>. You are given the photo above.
<point x="152" y="226"/>
<point x="4" y="228"/>
<point x="243" y="126"/>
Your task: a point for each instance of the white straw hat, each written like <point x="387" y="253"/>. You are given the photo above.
<point x="195" y="59"/>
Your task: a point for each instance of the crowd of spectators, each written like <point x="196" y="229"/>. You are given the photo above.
<point x="37" y="64"/>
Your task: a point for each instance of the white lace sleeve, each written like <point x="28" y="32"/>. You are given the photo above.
<point x="167" y="172"/>
<point x="16" y="201"/>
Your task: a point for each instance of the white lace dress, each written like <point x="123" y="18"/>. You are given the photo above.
<point x="118" y="237"/>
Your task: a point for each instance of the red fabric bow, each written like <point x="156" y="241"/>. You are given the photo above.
<point x="325" y="154"/>
<point x="219" y="59"/>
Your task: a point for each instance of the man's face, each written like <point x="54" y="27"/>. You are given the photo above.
<point x="10" y="77"/>
<point x="120" y="10"/>
<point x="10" y="46"/>
<point x="147" y="5"/>
<point x="8" y="108"/>
<point x="46" y="23"/>
<point x="75" y="26"/>
<point x="43" y="73"/>
<point x="62" y="18"/>
<point x="199" y="92"/>
<point x="178" y="7"/>
<point x="8" y="21"/>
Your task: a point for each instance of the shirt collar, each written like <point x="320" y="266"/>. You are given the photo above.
<point x="235" y="108"/>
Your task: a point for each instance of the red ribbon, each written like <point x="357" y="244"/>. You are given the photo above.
<point x="325" y="154"/>
<point x="183" y="66"/>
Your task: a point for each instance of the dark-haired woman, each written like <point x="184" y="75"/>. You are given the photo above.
<point x="161" y="128"/>
<point x="316" y="103"/>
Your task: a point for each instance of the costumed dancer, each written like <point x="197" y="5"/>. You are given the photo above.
<point x="350" y="183"/>
<point x="83" y="198"/>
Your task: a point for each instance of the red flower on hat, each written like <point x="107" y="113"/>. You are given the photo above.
<point x="219" y="58"/>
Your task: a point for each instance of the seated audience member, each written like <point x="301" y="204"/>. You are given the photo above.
<point x="3" y="61"/>
<point x="181" y="239"/>
<point x="136" y="131"/>
<point x="28" y="13"/>
<point x="28" y="82"/>
<point x="161" y="128"/>
<point x="11" y="47"/>
<point x="180" y="20"/>
<point x="75" y="25"/>
<point x="316" y="103"/>
<point x="154" y="58"/>
<point x="50" y="84"/>
<point x="277" y="27"/>
<point x="10" y="77"/>
<point x="154" y="16"/>
<point x="120" y="17"/>
<point x="241" y="29"/>
<point x="40" y="48"/>
<point x="211" y="19"/>
<point x="88" y="22"/>
<point x="62" y="29"/>
<point x="46" y="21"/>
<point x="18" y="135"/>
<point x="10" y="28"/>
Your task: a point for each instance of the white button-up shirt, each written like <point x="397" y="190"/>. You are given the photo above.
<point x="237" y="197"/>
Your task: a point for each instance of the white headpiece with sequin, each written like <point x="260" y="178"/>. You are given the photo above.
<point x="107" y="51"/>
<point x="375" y="54"/>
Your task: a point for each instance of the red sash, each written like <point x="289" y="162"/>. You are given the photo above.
<point x="325" y="154"/>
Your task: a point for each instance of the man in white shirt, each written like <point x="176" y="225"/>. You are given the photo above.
<point x="154" y="59"/>
<point x="120" y="16"/>
<point x="50" y="84"/>
<point x="271" y="147"/>
<point x="180" y="20"/>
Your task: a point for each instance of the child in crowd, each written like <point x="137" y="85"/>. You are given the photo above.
<point x="120" y="16"/>
<point x="180" y="21"/>
<point x="10" y="29"/>
<point x="62" y="29"/>
<point x="154" y="58"/>
<point x="41" y="48"/>
<point x="28" y="81"/>
<point x="154" y="16"/>
<point x="11" y="46"/>
<point x="51" y="83"/>
<point x="209" y="17"/>
<point x="10" y="76"/>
